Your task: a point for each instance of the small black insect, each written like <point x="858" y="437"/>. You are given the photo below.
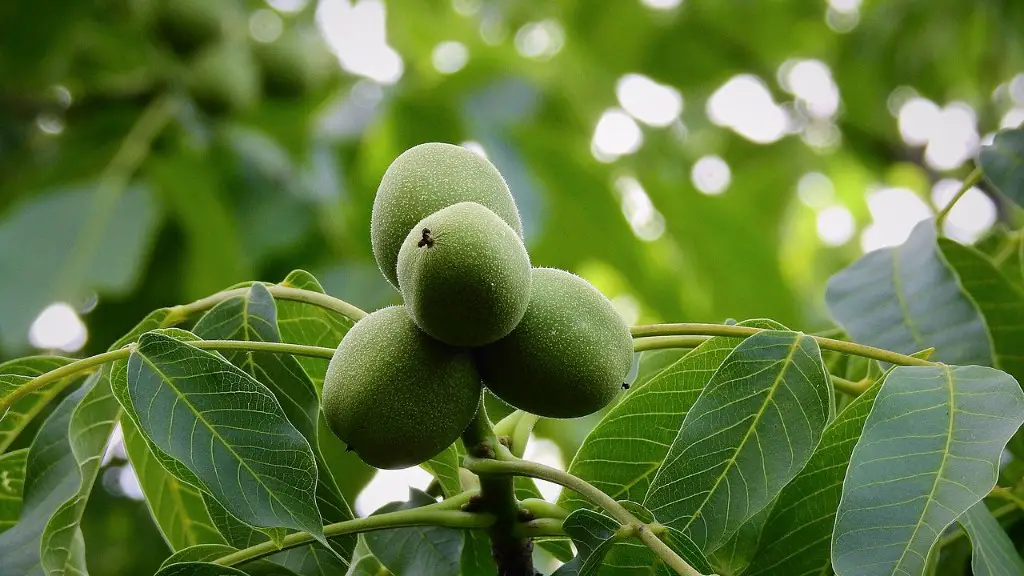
<point x="625" y="385"/>
<point x="427" y="239"/>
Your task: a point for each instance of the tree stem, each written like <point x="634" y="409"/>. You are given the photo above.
<point x="745" y="331"/>
<point x="433" y="515"/>
<point x="85" y="364"/>
<point x="488" y="467"/>
<point x="512" y="552"/>
<point x="972" y="179"/>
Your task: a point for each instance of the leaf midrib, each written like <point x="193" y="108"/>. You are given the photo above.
<point x="951" y="417"/>
<point x="746" y="437"/>
<point x="259" y="480"/>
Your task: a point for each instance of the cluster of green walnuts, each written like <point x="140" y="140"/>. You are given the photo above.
<point x="227" y="71"/>
<point x="406" y="381"/>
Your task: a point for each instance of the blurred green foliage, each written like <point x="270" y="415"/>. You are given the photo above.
<point x="272" y="154"/>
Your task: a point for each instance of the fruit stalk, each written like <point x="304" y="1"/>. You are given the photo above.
<point x="512" y="553"/>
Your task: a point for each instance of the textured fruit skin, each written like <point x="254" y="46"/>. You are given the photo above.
<point x="425" y="179"/>
<point x="396" y="396"/>
<point x="464" y="275"/>
<point x="567" y="357"/>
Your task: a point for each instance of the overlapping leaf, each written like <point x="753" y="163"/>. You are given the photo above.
<point x="211" y="552"/>
<point x="199" y="569"/>
<point x="798" y="533"/>
<point x="747" y="435"/>
<point x="422" y="550"/>
<point x="89" y="430"/>
<point x="929" y="451"/>
<point x="177" y="508"/>
<point x="1000" y="302"/>
<point x="594" y="534"/>
<point x="906" y="299"/>
<point x="622" y="453"/>
<point x="156" y="320"/>
<point x="311" y="325"/>
<point x="14" y="374"/>
<point x="738" y="552"/>
<point x="227" y="429"/>
<point x="992" y="551"/>
<point x="253" y="317"/>
<point x="12" y="481"/>
<point x="1002" y="162"/>
<point x="445" y="467"/>
<point x="51" y="478"/>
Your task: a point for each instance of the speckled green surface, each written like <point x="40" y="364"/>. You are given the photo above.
<point x="567" y="357"/>
<point x="425" y="179"/>
<point x="396" y="396"/>
<point x="469" y="285"/>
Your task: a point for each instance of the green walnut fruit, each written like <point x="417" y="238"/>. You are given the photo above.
<point x="425" y="179"/>
<point x="396" y="396"/>
<point x="296" y="63"/>
<point x="567" y="357"/>
<point x="187" y="25"/>
<point x="464" y="275"/>
<point x="225" y="78"/>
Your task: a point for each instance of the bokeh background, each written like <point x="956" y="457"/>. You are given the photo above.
<point x="697" y="160"/>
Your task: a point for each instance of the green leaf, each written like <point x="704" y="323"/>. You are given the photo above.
<point x="368" y="566"/>
<point x="594" y="534"/>
<point x="797" y="536"/>
<point x="310" y="325"/>
<point x="653" y="362"/>
<point x="907" y="299"/>
<point x="738" y="552"/>
<point x="92" y="423"/>
<point x="155" y="320"/>
<point x="929" y="451"/>
<point x="421" y="550"/>
<point x="747" y="435"/>
<point x="624" y="451"/>
<point x="199" y="569"/>
<point x="12" y="481"/>
<point x="1002" y="162"/>
<point x="211" y="552"/>
<point x="13" y="375"/>
<point x="634" y="558"/>
<point x="228" y="430"/>
<point x="253" y="317"/>
<point x="445" y="467"/>
<point x="51" y="477"/>
<point x="176" y="507"/>
<point x="38" y="239"/>
<point x="476" y="555"/>
<point x="1000" y="302"/>
<point x="993" y="553"/>
<point x="234" y="531"/>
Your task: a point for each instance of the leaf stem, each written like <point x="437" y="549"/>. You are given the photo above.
<point x="182" y="311"/>
<point x="515" y="467"/>
<point x="849" y="386"/>
<point x="85" y="364"/>
<point x="432" y="515"/>
<point x="843" y="346"/>
<point x="663" y="342"/>
<point x="972" y="179"/>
